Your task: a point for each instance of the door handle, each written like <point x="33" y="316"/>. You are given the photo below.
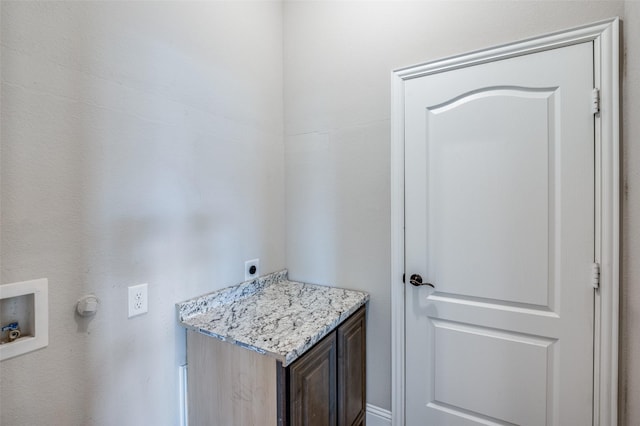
<point x="416" y="280"/>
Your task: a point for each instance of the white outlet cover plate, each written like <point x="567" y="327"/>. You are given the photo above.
<point x="138" y="300"/>
<point x="247" y="265"/>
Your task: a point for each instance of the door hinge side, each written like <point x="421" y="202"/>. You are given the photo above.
<point x="595" y="275"/>
<point x="595" y="100"/>
<point x="403" y="278"/>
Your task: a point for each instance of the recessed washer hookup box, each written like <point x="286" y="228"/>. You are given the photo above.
<point x="24" y="313"/>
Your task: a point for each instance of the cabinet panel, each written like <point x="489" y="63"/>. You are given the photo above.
<point x="352" y="370"/>
<point x="229" y="385"/>
<point x="312" y="380"/>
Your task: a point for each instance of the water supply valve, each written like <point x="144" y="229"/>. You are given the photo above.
<point x="13" y="331"/>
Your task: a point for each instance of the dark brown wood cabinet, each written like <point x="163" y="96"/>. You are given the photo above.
<point x="352" y="360"/>
<point x="326" y="386"/>
<point x="312" y="385"/>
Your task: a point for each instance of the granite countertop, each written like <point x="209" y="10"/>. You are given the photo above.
<point x="271" y="315"/>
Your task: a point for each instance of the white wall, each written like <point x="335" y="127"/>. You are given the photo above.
<point x="337" y="62"/>
<point x="141" y="142"/>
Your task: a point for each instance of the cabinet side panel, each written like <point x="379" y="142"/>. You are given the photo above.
<point x="312" y="381"/>
<point x="229" y="385"/>
<point x="352" y="369"/>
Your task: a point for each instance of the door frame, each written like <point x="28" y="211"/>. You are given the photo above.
<point x="605" y="35"/>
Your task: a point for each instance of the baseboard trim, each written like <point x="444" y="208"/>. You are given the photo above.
<point x="377" y="416"/>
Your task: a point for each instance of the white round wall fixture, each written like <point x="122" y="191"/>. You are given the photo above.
<point x="87" y="305"/>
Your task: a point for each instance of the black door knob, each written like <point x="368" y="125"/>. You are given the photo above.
<point x="417" y="281"/>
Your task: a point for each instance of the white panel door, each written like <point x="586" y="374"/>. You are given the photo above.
<point x="499" y="216"/>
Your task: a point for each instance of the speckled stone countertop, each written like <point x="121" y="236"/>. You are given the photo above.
<point x="271" y="315"/>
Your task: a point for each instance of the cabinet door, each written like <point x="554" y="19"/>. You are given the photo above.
<point x="352" y="370"/>
<point x="312" y="384"/>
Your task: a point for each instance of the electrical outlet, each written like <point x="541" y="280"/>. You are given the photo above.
<point x="138" y="302"/>
<point x="251" y="269"/>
